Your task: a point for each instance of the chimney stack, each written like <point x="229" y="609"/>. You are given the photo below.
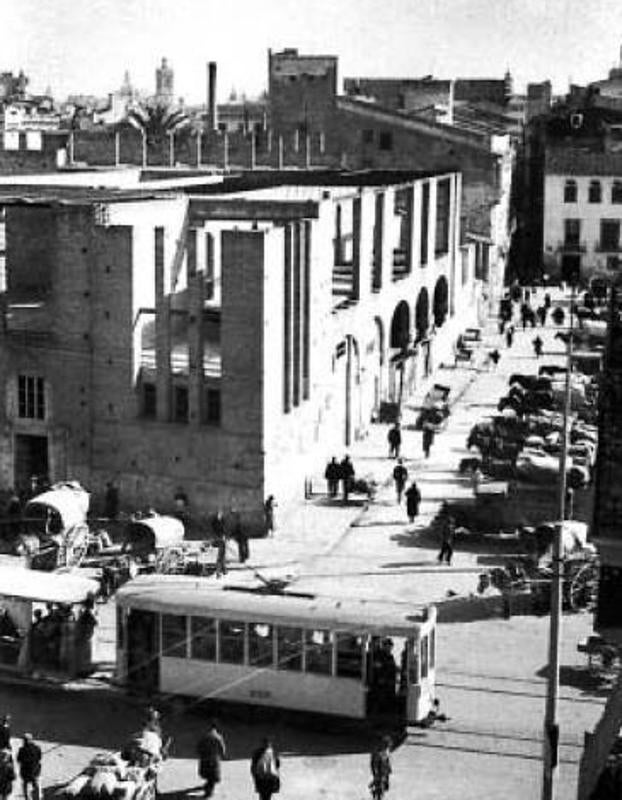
<point x="212" y="109"/>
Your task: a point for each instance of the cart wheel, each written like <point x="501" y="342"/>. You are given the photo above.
<point x="583" y="589"/>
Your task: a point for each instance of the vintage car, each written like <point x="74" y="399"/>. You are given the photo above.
<point x="535" y="465"/>
<point x="152" y="538"/>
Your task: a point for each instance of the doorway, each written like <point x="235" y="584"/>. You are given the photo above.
<point x="31" y="458"/>
<point x="143" y="657"/>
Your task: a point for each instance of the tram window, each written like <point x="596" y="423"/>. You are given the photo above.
<point x="173" y="636"/>
<point x="432" y="648"/>
<point x="349" y="656"/>
<point x="289" y="648"/>
<point x="260" y="651"/>
<point x="203" y="639"/>
<point x="231" y="641"/>
<point x="319" y="652"/>
<point x="424" y="657"/>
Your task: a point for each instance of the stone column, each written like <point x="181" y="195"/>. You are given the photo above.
<point x="162" y="332"/>
<point x="196" y="301"/>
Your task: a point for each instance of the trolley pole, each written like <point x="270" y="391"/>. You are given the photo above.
<point x="551" y="724"/>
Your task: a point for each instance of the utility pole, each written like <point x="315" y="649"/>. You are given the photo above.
<point x="551" y="724"/>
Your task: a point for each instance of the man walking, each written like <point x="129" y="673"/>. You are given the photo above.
<point x="509" y="335"/>
<point x="394" y="437"/>
<point x="238" y="533"/>
<point x="211" y="751"/>
<point x="29" y="760"/>
<point x="400" y="476"/>
<point x="413" y="498"/>
<point x="427" y="439"/>
<point x="537" y="346"/>
<point x="220" y="539"/>
<point x="265" y="766"/>
<point x="332" y="475"/>
<point x="347" y="476"/>
<point x="448" y="535"/>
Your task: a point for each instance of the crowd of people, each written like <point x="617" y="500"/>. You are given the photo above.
<point x="61" y="640"/>
<point x="339" y="472"/>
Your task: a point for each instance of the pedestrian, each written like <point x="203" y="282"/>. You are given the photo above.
<point x="524" y="314"/>
<point x="29" y="760"/>
<point x="332" y="474"/>
<point x="220" y="540"/>
<point x="427" y="439"/>
<point x="542" y="312"/>
<point x="413" y="498"/>
<point x="477" y="476"/>
<point x="265" y="765"/>
<point x="346" y="470"/>
<point x="211" y="750"/>
<point x="111" y="501"/>
<point x="509" y="335"/>
<point x="153" y="721"/>
<point x="181" y="501"/>
<point x="380" y="763"/>
<point x="448" y="535"/>
<point x="5" y="732"/>
<point x="269" y="515"/>
<point x="394" y="437"/>
<point x="494" y="357"/>
<point x="547" y="301"/>
<point x="400" y="476"/>
<point x="7" y="773"/>
<point x="537" y="346"/>
<point x="238" y="532"/>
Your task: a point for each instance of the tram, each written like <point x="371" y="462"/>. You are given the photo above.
<point x="347" y="658"/>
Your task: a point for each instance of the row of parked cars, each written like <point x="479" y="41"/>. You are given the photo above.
<point x="524" y="441"/>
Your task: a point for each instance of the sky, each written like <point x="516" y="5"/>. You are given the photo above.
<point x="86" y="46"/>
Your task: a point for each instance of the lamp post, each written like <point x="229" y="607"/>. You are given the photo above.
<point x="551" y="725"/>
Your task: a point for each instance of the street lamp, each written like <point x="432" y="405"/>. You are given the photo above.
<point x="551" y="724"/>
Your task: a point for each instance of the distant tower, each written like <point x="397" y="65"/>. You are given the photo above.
<point x="164" y="83"/>
<point x="508" y="85"/>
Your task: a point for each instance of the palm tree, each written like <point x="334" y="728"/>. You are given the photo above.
<point x="156" y="121"/>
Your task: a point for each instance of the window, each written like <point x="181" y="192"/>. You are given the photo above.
<point x="149" y="400"/>
<point x="180" y="409"/>
<point x="349" y="656"/>
<point x="570" y="192"/>
<point x="289" y="648"/>
<point x="203" y="635"/>
<point x="385" y="140"/>
<point x="367" y="135"/>
<point x="616" y="192"/>
<point x="425" y="212"/>
<point x="30" y="397"/>
<point x="594" y="192"/>
<point x="231" y="642"/>
<point x="572" y="232"/>
<point x="212" y="406"/>
<point x="609" y="234"/>
<point x="442" y="217"/>
<point x="260" y="644"/>
<point x="613" y="262"/>
<point x="173" y="636"/>
<point x="319" y="652"/>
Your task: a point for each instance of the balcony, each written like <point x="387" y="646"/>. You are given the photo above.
<point x="572" y="246"/>
<point x="608" y="247"/>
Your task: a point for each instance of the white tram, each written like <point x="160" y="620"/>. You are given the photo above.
<point x="349" y="658"/>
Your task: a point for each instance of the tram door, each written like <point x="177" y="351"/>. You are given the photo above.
<point x="421" y="671"/>
<point x="143" y="656"/>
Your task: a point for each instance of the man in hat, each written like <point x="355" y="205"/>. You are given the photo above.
<point x="29" y="760"/>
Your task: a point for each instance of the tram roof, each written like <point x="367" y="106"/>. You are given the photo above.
<point x="174" y="594"/>
<point x="44" y="587"/>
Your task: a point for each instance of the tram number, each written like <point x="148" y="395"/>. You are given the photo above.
<point x="260" y="694"/>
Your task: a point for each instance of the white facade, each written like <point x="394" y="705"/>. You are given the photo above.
<point x="582" y="224"/>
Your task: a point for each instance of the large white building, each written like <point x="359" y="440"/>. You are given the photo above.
<point x="582" y="213"/>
